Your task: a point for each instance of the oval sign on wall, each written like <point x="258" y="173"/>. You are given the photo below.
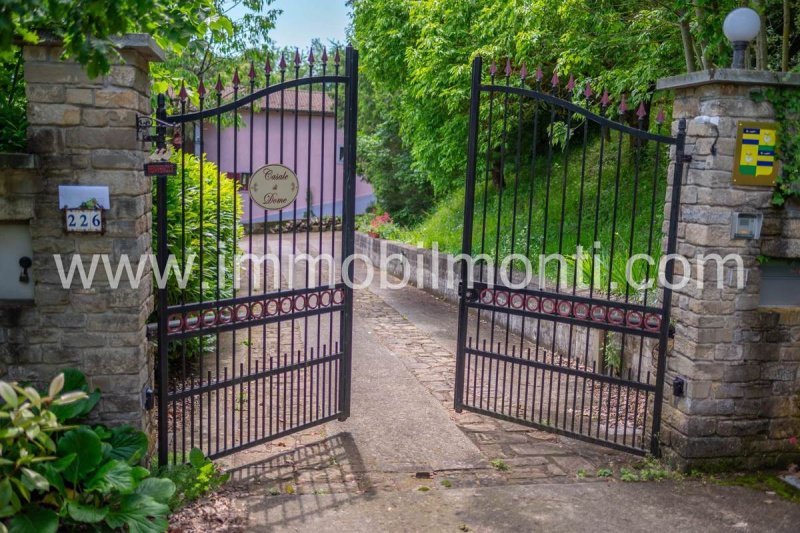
<point x="273" y="187"/>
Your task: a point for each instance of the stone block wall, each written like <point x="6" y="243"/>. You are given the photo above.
<point x="741" y="362"/>
<point x="83" y="132"/>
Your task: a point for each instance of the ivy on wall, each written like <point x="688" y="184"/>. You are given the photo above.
<point x="786" y="102"/>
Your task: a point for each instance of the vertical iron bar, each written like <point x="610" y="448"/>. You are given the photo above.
<point x="674" y="213"/>
<point x="466" y="240"/>
<point x="348" y="225"/>
<point x="162" y="252"/>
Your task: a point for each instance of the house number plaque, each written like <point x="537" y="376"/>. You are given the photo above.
<point x="273" y="187"/>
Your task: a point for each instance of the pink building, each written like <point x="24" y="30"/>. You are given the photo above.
<point x="311" y="145"/>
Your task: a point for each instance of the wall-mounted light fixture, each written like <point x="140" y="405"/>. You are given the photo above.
<point x="746" y="225"/>
<point x="741" y="26"/>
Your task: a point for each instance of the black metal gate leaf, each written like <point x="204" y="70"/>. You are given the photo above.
<point x="241" y="366"/>
<point x="576" y="348"/>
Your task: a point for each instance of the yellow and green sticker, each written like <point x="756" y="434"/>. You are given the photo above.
<point x="755" y="162"/>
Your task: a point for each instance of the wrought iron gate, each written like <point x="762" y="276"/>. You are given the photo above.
<point x="238" y="366"/>
<point x="544" y="347"/>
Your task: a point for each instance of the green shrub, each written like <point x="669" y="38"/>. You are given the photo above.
<point x="72" y="476"/>
<point x="189" y="226"/>
<point x="13" y="106"/>
<point x="194" y="479"/>
<point x="378" y="226"/>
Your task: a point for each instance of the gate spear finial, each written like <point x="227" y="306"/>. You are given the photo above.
<point x="183" y="94"/>
<point x="641" y="112"/>
<point x="605" y="100"/>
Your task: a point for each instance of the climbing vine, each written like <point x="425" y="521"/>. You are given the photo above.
<point x="786" y="102"/>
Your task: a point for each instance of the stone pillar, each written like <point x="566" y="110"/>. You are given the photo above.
<point x="740" y="361"/>
<point x="83" y="132"/>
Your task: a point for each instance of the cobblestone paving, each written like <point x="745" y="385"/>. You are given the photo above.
<point x="529" y="454"/>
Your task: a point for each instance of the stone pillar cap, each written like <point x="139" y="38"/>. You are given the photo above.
<point x="732" y="76"/>
<point x="140" y="42"/>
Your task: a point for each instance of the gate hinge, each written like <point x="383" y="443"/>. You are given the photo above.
<point x="687" y="158"/>
<point x="471" y="294"/>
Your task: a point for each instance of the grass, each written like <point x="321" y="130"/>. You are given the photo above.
<point x="764" y="482"/>
<point x="500" y="465"/>
<point x="607" y="216"/>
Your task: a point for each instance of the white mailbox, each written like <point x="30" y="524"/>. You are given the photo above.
<point x="16" y="260"/>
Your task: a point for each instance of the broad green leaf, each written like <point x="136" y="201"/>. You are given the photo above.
<point x="34" y="519"/>
<point x="5" y="491"/>
<point x="89" y="514"/>
<point x="8" y="394"/>
<point x="63" y="462"/>
<point x="160" y="489"/>
<point x="85" y="444"/>
<point x="139" y="473"/>
<point x="129" y="444"/>
<point x="34" y="480"/>
<point x="142" y="514"/>
<point x="114" y="475"/>
<point x="56" y="386"/>
<point x="53" y="477"/>
<point x="197" y="458"/>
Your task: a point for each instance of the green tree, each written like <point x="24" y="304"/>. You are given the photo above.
<point x="87" y="27"/>
<point x="416" y="58"/>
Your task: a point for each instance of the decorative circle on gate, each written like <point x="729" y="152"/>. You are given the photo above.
<point x="517" y="301"/>
<point x="652" y="322"/>
<point x="581" y="310"/>
<point x="634" y="319"/>
<point x="564" y="308"/>
<point x="487" y="296"/>
<point x="273" y="187"/>
<point x="325" y="298"/>
<point x="312" y="301"/>
<point x="616" y="315"/>
<point x="272" y="307"/>
<point x="209" y="317"/>
<point x="599" y="313"/>
<point x="257" y="310"/>
<point x="286" y="305"/>
<point x="225" y="315"/>
<point x="242" y="312"/>
<point x="299" y="302"/>
<point x="532" y="304"/>
<point x="548" y="305"/>
<point x="501" y="298"/>
<point x="175" y="323"/>
<point x="338" y="296"/>
<point x="191" y="321"/>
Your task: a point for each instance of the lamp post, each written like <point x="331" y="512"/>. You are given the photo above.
<point x="740" y="27"/>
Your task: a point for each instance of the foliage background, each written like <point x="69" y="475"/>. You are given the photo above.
<point x="416" y="54"/>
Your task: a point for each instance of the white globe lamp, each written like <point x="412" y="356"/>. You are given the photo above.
<point x="740" y="27"/>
